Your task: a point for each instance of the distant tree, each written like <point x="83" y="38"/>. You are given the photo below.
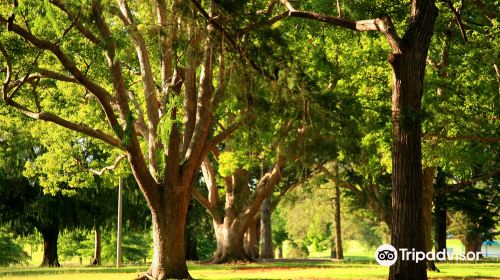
<point x="10" y="251"/>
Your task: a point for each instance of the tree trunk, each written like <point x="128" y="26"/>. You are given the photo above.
<point x="408" y="66"/>
<point x="280" y="251"/>
<point x="427" y="183"/>
<point x="191" y="246"/>
<point x="50" y="236"/>
<point x="251" y="238"/>
<point x="230" y="247"/>
<point x="440" y="215"/>
<point x="266" y="230"/>
<point x="339" y="252"/>
<point x="190" y="239"/>
<point x="473" y="242"/>
<point x="97" y="246"/>
<point x="333" y="250"/>
<point x="119" y="224"/>
<point x="169" y="216"/>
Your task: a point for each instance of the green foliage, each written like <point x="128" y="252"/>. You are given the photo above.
<point x="136" y="246"/>
<point x="173" y="116"/>
<point x="297" y="251"/>
<point x="10" y="251"/>
<point x="76" y="243"/>
<point x="278" y="224"/>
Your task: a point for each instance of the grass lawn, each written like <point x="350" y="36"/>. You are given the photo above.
<point x="276" y="270"/>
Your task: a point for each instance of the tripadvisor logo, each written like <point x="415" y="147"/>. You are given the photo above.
<point x="387" y="255"/>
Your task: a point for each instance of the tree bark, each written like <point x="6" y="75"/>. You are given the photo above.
<point x="333" y="250"/>
<point x="97" y="246"/>
<point x="169" y="216"/>
<point x="473" y="242"/>
<point x="252" y="239"/>
<point x="50" y="236"/>
<point x="408" y="64"/>
<point x="230" y="247"/>
<point x="440" y="214"/>
<point x="427" y="183"/>
<point x="339" y="252"/>
<point x="266" y="230"/>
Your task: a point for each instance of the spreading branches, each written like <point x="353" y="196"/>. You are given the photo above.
<point x="82" y="128"/>
<point x="383" y="24"/>
<point x="265" y="187"/>
<point x="255" y="25"/>
<point x="487" y="13"/>
<point x="462" y="185"/>
<point x="147" y="79"/>
<point x="481" y="139"/>
<point x="458" y="19"/>
<point x="336" y="179"/>
<point x="79" y="26"/>
<point x="231" y="41"/>
<point x="224" y="134"/>
<point x="8" y="77"/>
<point x="110" y="167"/>
<point x="210" y="202"/>
<point x="101" y="94"/>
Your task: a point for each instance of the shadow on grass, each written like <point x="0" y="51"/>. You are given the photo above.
<point x="68" y="270"/>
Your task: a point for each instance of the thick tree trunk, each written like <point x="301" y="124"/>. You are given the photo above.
<point x="339" y="252"/>
<point x="440" y="214"/>
<point x="408" y="66"/>
<point x="50" y="236"/>
<point x="407" y="223"/>
<point x="230" y="247"/>
<point x="427" y="183"/>
<point x="266" y="230"/>
<point x="97" y="246"/>
<point x="473" y="242"/>
<point x="169" y="216"/>
<point x="251" y="239"/>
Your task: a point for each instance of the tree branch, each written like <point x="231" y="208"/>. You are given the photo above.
<point x="265" y="186"/>
<point x="79" y="26"/>
<point x="224" y="134"/>
<point x="251" y="27"/>
<point x="102" y="95"/>
<point x="87" y="130"/>
<point x="462" y="185"/>
<point x="458" y="19"/>
<point x="337" y="180"/>
<point x="462" y="137"/>
<point x="382" y="24"/>
<point x="231" y="42"/>
<point x="147" y="79"/>
<point x="110" y="167"/>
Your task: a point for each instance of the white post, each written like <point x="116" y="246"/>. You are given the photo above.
<point x="119" y="229"/>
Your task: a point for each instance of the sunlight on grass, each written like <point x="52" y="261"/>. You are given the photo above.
<point x="275" y="270"/>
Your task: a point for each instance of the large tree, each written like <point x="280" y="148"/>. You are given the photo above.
<point x="408" y="61"/>
<point x="162" y="120"/>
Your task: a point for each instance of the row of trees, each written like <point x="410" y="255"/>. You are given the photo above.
<point x="234" y="90"/>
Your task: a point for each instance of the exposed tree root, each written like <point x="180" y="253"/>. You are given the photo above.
<point x="232" y="260"/>
<point x="148" y="276"/>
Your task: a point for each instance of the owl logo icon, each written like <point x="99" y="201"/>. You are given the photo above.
<point x="386" y="255"/>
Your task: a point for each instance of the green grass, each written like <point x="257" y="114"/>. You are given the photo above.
<point x="274" y="270"/>
<point x="358" y="264"/>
